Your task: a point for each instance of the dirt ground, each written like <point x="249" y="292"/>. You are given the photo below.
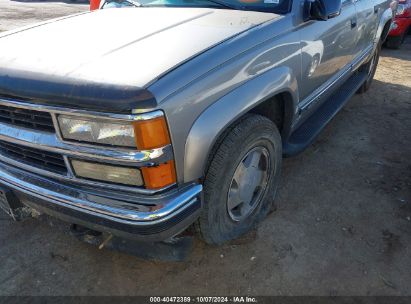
<point x="343" y="226"/>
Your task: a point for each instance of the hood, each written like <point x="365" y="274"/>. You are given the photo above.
<point x="127" y="46"/>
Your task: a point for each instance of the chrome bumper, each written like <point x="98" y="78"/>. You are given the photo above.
<point x="129" y="215"/>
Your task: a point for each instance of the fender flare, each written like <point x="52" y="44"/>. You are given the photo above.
<point x="387" y="16"/>
<point x="221" y="114"/>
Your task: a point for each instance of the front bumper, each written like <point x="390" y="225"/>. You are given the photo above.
<point x="127" y="215"/>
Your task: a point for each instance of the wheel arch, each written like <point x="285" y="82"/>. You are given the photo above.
<point x="384" y="26"/>
<point x="277" y="87"/>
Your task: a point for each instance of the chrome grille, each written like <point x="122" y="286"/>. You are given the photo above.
<point x="34" y="157"/>
<point x="35" y="120"/>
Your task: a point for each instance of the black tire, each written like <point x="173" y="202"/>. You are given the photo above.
<point x="395" y="42"/>
<point x="370" y="68"/>
<point x="215" y="224"/>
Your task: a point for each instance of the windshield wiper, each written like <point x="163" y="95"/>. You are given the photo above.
<point x="225" y="4"/>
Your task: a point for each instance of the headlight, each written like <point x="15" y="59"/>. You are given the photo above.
<point x="107" y="173"/>
<point x="151" y="177"/>
<point x="400" y="9"/>
<point x="97" y="131"/>
<point x="394" y="26"/>
<point x="140" y="134"/>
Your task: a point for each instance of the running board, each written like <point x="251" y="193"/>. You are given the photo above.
<point x="301" y="138"/>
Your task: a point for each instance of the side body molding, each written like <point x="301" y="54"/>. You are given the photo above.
<point x="216" y="118"/>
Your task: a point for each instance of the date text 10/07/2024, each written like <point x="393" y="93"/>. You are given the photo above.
<point x="203" y="300"/>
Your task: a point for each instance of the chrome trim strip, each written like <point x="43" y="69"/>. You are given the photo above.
<point x="83" y="113"/>
<point x="357" y="62"/>
<point x="316" y="95"/>
<point x="310" y="100"/>
<point x="56" y="126"/>
<point x="97" y="205"/>
<point x="70" y="172"/>
<point x="50" y="142"/>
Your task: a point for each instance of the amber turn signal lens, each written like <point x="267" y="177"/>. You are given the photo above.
<point x="151" y="134"/>
<point x="159" y="176"/>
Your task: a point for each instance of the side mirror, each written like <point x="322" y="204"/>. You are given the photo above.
<point x="322" y="9"/>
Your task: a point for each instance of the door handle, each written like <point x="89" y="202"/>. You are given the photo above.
<point x="376" y="9"/>
<point x="353" y="22"/>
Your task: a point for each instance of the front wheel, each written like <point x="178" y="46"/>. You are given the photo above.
<point x="241" y="180"/>
<point x="395" y="41"/>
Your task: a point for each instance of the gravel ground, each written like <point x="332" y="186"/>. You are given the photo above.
<point x="343" y="226"/>
<point x="15" y="14"/>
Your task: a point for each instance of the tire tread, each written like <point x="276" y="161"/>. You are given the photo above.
<point x="219" y="155"/>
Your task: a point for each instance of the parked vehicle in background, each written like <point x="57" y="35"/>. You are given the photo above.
<point x="401" y="25"/>
<point x="94" y="5"/>
<point x="177" y="112"/>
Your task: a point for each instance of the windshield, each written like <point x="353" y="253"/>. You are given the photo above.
<point x="273" y="6"/>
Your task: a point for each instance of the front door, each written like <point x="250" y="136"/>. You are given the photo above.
<point x="368" y="13"/>
<point x="327" y="48"/>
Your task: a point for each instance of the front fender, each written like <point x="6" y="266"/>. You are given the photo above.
<point x="216" y="118"/>
<point x="386" y="16"/>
